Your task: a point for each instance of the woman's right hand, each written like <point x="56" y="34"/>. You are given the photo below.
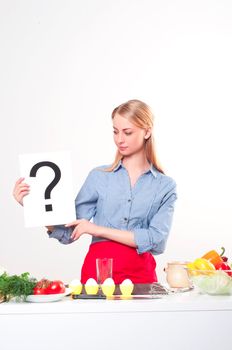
<point x="20" y="190"/>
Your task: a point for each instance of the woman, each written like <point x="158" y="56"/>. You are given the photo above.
<point x="131" y="202"/>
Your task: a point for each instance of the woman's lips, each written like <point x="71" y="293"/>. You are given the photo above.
<point x="122" y="148"/>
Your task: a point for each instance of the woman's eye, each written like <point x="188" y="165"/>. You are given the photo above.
<point x="126" y="133"/>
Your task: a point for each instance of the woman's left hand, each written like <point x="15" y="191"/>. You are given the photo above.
<point x="82" y="226"/>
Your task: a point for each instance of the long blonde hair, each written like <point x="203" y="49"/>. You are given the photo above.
<point x="140" y="114"/>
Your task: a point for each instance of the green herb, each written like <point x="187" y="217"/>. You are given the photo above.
<point x="15" y="286"/>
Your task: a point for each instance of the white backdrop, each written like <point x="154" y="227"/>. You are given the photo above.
<point x="64" y="66"/>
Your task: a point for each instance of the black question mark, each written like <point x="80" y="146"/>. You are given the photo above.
<point x="47" y="194"/>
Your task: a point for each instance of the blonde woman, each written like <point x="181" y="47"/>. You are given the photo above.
<point x="130" y="203"/>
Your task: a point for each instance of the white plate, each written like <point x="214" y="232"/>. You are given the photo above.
<point x="46" y="298"/>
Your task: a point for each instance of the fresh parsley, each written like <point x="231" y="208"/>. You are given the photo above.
<point x="16" y="286"/>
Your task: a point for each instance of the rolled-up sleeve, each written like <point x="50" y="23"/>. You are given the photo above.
<point x="154" y="238"/>
<point x="62" y="234"/>
<point x="85" y="203"/>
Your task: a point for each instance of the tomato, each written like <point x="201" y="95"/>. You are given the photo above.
<point x="45" y="286"/>
<point x="55" y="287"/>
<point x="41" y="287"/>
<point x="39" y="291"/>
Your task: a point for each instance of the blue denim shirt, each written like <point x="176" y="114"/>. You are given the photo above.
<point x="146" y="209"/>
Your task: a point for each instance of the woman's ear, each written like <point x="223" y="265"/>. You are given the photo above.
<point x="147" y="134"/>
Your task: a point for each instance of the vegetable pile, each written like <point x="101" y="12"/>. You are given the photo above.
<point x="212" y="273"/>
<point x="20" y="286"/>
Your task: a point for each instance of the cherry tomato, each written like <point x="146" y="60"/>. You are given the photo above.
<point x="55" y="287"/>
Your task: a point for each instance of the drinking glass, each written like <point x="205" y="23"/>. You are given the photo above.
<point x="104" y="269"/>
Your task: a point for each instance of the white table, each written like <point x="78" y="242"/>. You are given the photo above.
<point x="181" y="321"/>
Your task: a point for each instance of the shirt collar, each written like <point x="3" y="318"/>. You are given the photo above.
<point x="118" y="166"/>
<point x="152" y="169"/>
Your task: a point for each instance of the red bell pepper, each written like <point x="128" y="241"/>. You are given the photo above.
<point x="225" y="267"/>
<point x="224" y="258"/>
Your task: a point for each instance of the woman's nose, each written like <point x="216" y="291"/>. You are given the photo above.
<point x="120" y="138"/>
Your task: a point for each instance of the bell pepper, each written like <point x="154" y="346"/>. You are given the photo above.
<point x="203" y="264"/>
<point x="213" y="257"/>
<point x="225" y="267"/>
<point x="200" y="266"/>
<point x="224" y="258"/>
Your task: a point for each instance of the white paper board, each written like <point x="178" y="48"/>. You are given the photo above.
<point x="40" y="170"/>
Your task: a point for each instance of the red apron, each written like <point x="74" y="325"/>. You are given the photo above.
<point x="127" y="263"/>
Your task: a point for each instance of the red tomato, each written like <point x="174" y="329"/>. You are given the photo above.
<point x="55" y="287"/>
<point x="41" y="287"/>
<point x="39" y="291"/>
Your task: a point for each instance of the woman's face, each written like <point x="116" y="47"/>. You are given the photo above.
<point x="128" y="137"/>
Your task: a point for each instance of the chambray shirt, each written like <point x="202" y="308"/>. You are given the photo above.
<point x="146" y="209"/>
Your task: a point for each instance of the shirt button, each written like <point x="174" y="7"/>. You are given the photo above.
<point x="125" y="219"/>
<point x="129" y="200"/>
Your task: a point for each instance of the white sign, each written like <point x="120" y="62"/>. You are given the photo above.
<point x="51" y="200"/>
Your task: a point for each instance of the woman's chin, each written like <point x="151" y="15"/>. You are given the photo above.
<point x="124" y="153"/>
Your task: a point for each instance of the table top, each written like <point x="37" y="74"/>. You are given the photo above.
<point x="178" y="302"/>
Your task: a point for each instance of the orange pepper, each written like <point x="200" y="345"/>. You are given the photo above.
<point x="213" y="257"/>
